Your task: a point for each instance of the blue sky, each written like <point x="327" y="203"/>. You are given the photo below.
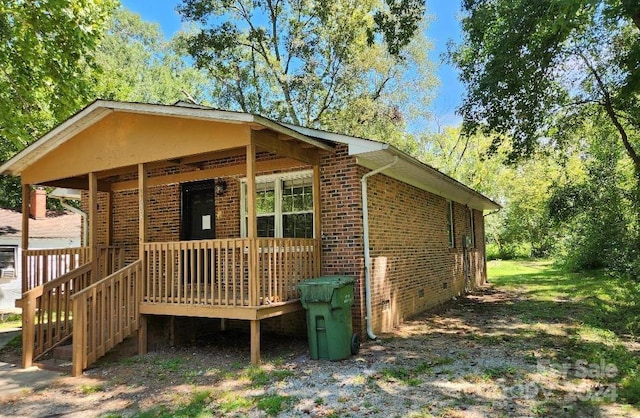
<point x="444" y="27"/>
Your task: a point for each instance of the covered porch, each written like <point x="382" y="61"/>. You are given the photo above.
<point x="102" y="293"/>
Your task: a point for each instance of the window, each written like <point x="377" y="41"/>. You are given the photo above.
<point x="284" y="205"/>
<point x="452" y="242"/>
<point x="472" y="230"/>
<point x="7" y="262"/>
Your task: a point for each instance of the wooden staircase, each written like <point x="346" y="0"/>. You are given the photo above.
<point x="83" y="307"/>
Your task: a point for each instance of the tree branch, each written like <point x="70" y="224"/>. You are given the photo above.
<point x="607" y="103"/>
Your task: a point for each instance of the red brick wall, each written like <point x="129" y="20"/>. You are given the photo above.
<point x="342" y="251"/>
<point x="413" y="268"/>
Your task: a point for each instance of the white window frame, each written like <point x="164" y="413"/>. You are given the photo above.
<point x="451" y="238"/>
<point x="10" y="272"/>
<point x="277" y="180"/>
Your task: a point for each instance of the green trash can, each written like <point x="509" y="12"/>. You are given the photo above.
<point x="328" y="301"/>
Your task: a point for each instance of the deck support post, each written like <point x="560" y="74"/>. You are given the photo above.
<point x="255" y="342"/>
<point x="252" y="234"/>
<point x="142" y="238"/>
<point x="28" y="310"/>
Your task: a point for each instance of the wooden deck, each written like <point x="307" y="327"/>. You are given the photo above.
<point x="100" y="303"/>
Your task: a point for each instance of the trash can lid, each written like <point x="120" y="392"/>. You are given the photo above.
<point x="320" y="289"/>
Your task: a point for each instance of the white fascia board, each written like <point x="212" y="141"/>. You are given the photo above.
<point x="291" y="130"/>
<point x="58" y="135"/>
<point x="356" y="145"/>
<point x="412" y="172"/>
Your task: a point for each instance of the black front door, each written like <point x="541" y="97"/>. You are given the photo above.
<point x="198" y="210"/>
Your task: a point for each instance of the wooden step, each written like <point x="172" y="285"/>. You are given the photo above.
<point x="63" y="352"/>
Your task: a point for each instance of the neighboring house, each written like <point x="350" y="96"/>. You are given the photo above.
<point x="203" y="213"/>
<point x="48" y="229"/>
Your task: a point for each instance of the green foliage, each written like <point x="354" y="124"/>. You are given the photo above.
<point x="336" y="65"/>
<point x="595" y="218"/>
<point x="137" y="64"/>
<point x="45" y="55"/>
<point x="561" y="76"/>
<point x="46" y="61"/>
<point x="89" y="389"/>
<point x="537" y="69"/>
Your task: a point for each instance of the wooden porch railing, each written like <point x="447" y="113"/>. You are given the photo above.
<point x="44" y="265"/>
<point x="46" y="312"/>
<point x="110" y="260"/>
<point x="105" y="313"/>
<point x="217" y="272"/>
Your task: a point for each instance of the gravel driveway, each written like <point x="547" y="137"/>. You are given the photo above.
<point x="474" y="357"/>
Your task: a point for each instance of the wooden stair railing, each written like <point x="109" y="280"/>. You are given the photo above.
<point x="47" y="308"/>
<point x="105" y="313"/>
<point x="46" y="313"/>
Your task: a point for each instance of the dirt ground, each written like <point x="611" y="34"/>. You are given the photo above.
<point x="474" y="357"/>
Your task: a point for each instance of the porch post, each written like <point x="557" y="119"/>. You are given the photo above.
<point x="109" y="221"/>
<point x="317" y="221"/>
<point x="93" y="221"/>
<point x="26" y="202"/>
<point x="28" y="308"/>
<point x="142" y="238"/>
<point x="252" y="234"/>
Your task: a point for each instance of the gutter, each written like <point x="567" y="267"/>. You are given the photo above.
<point x="367" y="254"/>
<point x="85" y="225"/>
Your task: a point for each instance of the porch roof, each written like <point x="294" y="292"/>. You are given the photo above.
<point x="100" y="109"/>
<point x="368" y="153"/>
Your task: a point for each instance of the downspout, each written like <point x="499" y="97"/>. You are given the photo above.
<point x="85" y="224"/>
<point x="367" y="255"/>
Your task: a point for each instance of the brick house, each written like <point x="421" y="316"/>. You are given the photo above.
<point x="199" y="213"/>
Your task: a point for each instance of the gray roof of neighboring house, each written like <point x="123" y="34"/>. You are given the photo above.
<point x="56" y="225"/>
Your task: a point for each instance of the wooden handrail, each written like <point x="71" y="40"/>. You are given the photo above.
<point x="105" y="313"/>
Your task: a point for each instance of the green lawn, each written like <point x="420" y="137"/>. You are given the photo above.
<point x="10" y="321"/>
<point x="603" y="312"/>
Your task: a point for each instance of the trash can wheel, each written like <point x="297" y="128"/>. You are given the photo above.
<point x="355" y="344"/>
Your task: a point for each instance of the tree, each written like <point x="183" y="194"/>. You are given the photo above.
<point x="536" y="70"/>
<point x="45" y="58"/>
<point x="329" y="64"/>
<point x="136" y="64"/>
<point x="522" y="227"/>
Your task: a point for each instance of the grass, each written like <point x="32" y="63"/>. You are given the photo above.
<point x="274" y="404"/>
<point x="89" y="389"/>
<point x="602" y="313"/>
<point x="411" y="376"/>
<point x="10" y="321"/>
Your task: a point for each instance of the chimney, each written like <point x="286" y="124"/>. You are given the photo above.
<point x="38" y="208"/>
